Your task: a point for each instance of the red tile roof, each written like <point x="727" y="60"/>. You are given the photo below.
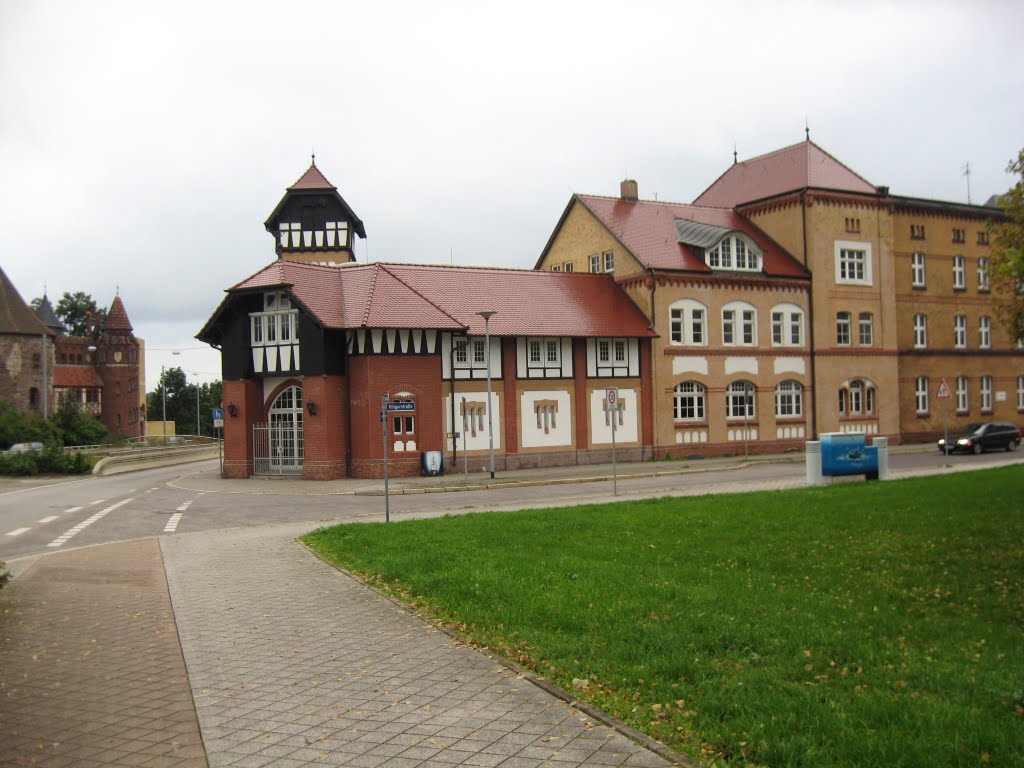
<point x="117" y="317"/>
<point x="784" y="170"/>
<point x="312" y="179"/>
<point x="525" y="302"/>
<point x="15" y="315"/>
<point x="648" y="230"/>
<point x="76" y="376"/>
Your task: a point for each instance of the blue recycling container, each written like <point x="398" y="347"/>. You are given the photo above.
<point x="845" y="453"/>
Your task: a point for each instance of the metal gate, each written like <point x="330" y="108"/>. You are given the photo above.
<point x="277" y="447"/>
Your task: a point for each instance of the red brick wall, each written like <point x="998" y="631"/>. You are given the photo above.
<point x="646" y="395"/>
<point x="18" y="373"/>
<point x="372" y="376"/>
<point x="247" y="397"/>
<point x="509" y="397"/>
<point x="326" y="432"/>
<point x="579" y="367"/>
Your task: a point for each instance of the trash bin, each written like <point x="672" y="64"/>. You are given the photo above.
<point x="432" y="463"/>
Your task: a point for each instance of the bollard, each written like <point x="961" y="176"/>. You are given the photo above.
<point x="813" y="457"/>
<point x="882" y="443"/>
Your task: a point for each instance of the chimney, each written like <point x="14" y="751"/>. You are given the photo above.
<point x="628" y="190"/>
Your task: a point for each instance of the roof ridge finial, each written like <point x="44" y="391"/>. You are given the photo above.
<point x="735" y="156"/>
<point x="807" y="129"/>
<point x="313" y="154"/>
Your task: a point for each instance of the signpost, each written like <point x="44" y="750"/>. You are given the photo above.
<point x="385" y="406"/>
<point x="943" y="395"/>
<point x="611" y="407"/>
<point x="218" y="423"/>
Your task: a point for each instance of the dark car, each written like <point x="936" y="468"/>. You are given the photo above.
<point x="992" y="435"/>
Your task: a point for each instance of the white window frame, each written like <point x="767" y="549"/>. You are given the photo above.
<point x="685" y="317"/>
<point x="984" y="280"/>
<point x="959" y="273"/>
<point x="689" y="402"/>
<point x="739" y="324"/>
<point x="844" y="329"/>
<point x="735" y="253"/>
<point x="917" y="269"/>
<point x="787" y="323"/>
<point x="789" y="399"/>
<point x="960" y="331"/>
<point x="853" y="263"/>
<point x="608" y="259"/>
<point x="985" y="391"/>
<point x="962" y="396"/>
<point x="866" y="329"/>
<point x="985" y="332"/>
<point x="921" y="394"/>
<point x="920" y="331"/>
<point x="595" y="262"/>
<point x="1020" y="393"/>
<point x="737" y="403"/>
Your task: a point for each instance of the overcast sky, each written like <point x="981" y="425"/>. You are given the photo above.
<point x="143" y="144"/>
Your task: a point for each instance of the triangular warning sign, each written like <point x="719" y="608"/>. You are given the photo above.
<point x="943" y="393"/>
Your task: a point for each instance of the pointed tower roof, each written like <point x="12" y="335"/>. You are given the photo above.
<point x="800" y="166"/>
<point x="15" y="315"/>
<point x="117" y="317"/>
<point x="49" y="317"/>
<point x="313" y="182"/>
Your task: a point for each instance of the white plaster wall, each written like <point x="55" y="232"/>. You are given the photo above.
<point x="480" y="442"/>
<point x="735" y="365"/>
<point x="682" y="365"/>
<point x="790" y="365"/>
<point x="627" y="432"/>
<point x="559" y="435"/>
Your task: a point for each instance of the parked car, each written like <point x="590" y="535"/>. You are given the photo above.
<point x="24" y="447"/>
<point x="975" y="438"/>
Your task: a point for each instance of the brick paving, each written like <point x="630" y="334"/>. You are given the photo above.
<point x="91" y="672"/>
<point x="293" y="663"/>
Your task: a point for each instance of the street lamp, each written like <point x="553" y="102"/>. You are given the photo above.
<point x="486" y="315"/>
<point x="163" y="390"/>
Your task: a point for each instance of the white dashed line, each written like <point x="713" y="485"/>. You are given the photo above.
<point x="62" y="539"/>
<point x="184" y="506"/>
<point x="172" y="524"/>
<point x="98" y="501"/>
<point x="69" y="510"/>
<point x="49" y="519"/>
<point x="18" y="531"/>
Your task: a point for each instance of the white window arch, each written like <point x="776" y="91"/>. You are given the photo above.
<point x="688" y="323"/>
<point x="787" y="325"/>
<point x="740" y="400"/>
<point x="789" y="399"/>
<point x="739" y="324"/>
<point x="689" y="401"/>
<point x="857" y="397"/>
<point x="735" y="252"/>
<point x="286" y="435"/>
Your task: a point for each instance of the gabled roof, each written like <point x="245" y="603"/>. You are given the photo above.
<point x="310" y="182"/>
<point x="15" y="315"/>
<point x="525" y="302"/>
<point x="800" y="166"/>
<point x="76" y="376"/>
<point x="48" y="316"/>
<point x="117" y="317"/>
<point x="669" y="236"/>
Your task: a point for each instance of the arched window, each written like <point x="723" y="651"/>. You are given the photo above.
<point x="689" y="401"/>
<point x="688" y="323"/>
<point x="286" y="435"/>
<point x="739" y="324"/>
<point x="735" y="252"/>
<point x="739" y="400"/>
<point x="789" y="399"/>
<point x="857" y="398"/>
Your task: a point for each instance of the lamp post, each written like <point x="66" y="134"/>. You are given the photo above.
<point x="163" y="390"/>
<point x="486" y="315"/>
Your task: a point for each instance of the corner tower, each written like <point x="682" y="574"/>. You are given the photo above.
<point x="313" y="223"/>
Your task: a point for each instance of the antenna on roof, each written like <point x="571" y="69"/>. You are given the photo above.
<point x="807" y="130"/>
<point x="734" y="154"/>
<point x="967" y="173"/>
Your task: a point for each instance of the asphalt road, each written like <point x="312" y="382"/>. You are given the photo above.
<point x="37" y="519"/>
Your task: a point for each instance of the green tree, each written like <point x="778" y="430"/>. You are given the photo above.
<point x="1007" y="237"/>
<point x="78" y="312"/>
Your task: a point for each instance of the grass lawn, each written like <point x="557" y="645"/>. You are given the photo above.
<point x="859" y="625"/>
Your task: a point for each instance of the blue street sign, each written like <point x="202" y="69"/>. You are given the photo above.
<point x="218" y="413"/>
<point x="402" y="405"/>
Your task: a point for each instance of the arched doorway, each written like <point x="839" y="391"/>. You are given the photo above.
<point x="279" y="449"/>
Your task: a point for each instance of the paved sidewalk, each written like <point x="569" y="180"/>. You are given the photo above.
<point x="91" y="673"/>
<point x="293" y="663"/>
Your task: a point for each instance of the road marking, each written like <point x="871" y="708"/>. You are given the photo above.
<point x="49" y="519"/>
<point x="18" y="531"/>
<point x="172" y="523"/>
<point x="63" y="538"/>
<point x="98" y="501"/>
<point x="69" y="510"/>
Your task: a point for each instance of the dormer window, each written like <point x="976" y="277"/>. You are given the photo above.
<point x="734" y="252"/>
